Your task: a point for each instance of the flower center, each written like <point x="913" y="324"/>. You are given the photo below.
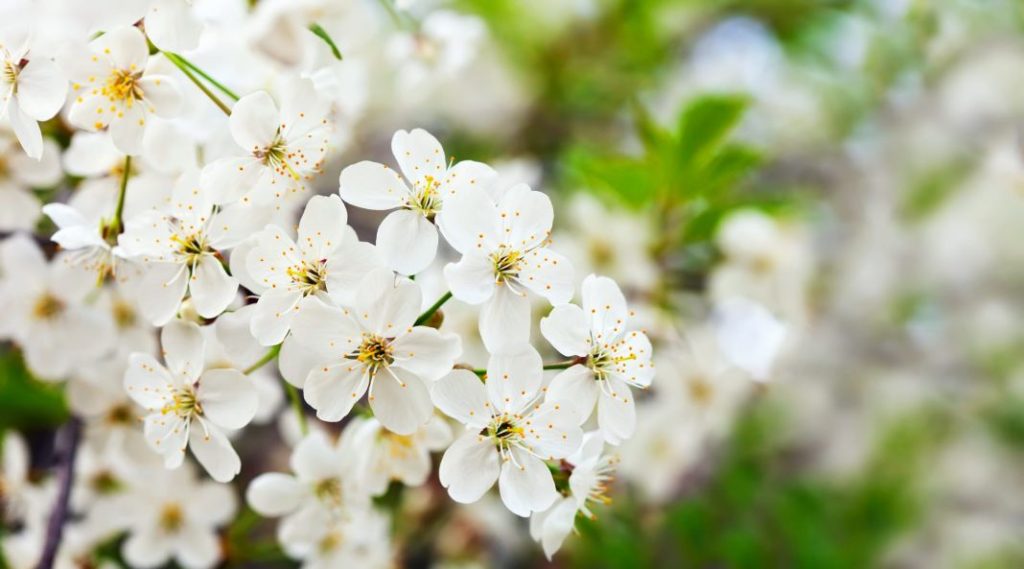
<point x="399" y="446"/>
<point x="120" y="415"/>
<point x="330" y="542"/>
<point x="375" y="352"/>
<point x="427" y="199"/>
<point x="10" y="73"/>
<point x="123" y="87"/>
<point x="48" y="307"/>
<point x="310" y="277"/>
<point x="700" y="391"/>
<point x="124" y="314"/>
<point x="191" y="247"/>
<point x="172" y="517"/>
<point x="105" y="483"/>
<point x="505" y="431"/>
<point x="276" y="156"/>
<point x="507" y="265"/>
<point x="184" y="403"/>
<point x="329" y="492"/>
<point x="602" y="361"/>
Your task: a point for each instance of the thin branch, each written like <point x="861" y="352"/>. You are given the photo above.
<point x="270" y="356"/>
<point x="206" y="91"/>
<point x="220" y="86"/>
<point x="293" y="395"/>
<point x="433" y="309"/>
<point x="70" y="437"/>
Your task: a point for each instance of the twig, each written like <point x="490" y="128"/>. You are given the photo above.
<point x="55" y="527"/>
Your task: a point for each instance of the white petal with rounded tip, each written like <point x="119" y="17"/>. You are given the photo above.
<point x="333" y="390"/>
<point x="228" y="397"/>
<point x="470" y="223"/>
<point x="322" y="227"/>
<point x="605" y="305"/>
<point x="212" y="287"/>
<point x="329" y="332"/>
<point x="567" y="329"/>
<point x="147" y="547"/>
<point x="401" y="402"/>
<point x="557" y="526"/>
<point x="527" y="487"/>
<point x="407" y="241"/>
<point x="426" y="352"/>
<point x="198" y="548"/>
<point x="167" y="434"/>
<point x="162" y="95"/>
<point x="147" y="382"/>
<point x="469" y="468"/>
<point x="41" y="88"/>
<point x="616" y="414"/>
<point x="548" y="274"/>
<point x="315" y="459"/>
<point x="371" y="185"/>
<point x="274" y="313"/>
<point x="419" y="154"/>
<point x="513" y="379"/>
<point x="462" y="396"/>
<point x="505" y="321"/>
<point x="183" y="347"/>
<point x="214" y="504"/>
<point x="471" y="280"/>
<point x="26" y="129"/>
<point x="126" y="45"/>
<point x="165" y="284"/>
<point x="230" y="178"/>
<point x="171" y="26"/>
<point x="385" y="305"/>
<point x="553" y="431"/>
<point x="213" y="450"/>
<point x="468" y="176"/>
<point x="254" y="121"/>
<point x="20" y="209"/>
<point x="347" y="267"/>
<point x="575" y="388"/>
<point x="526" y="217"/>
<point x="749" y="336"/>
<point x="274" y="494"/>
<point x="295" y="362"/>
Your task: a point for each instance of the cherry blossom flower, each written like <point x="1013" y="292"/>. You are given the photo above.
<point x="383" y="456"/>
<point x="374" y="347"/>
<point x="614" y="357"/>
<point x="328" y="262"/>
<point x="190" y="407"/>
<point x="285" y="146"/>
<point x="509" y="434"/>
<point x="504" y="255"/>
<point x="32" y="86"/>
<point x="113" y="90"/>
<point x="174" y="516"/>
<point x="182" y="248"/>
<point x="407" y="238"/>
<point x="321" y="491"/>
<point x="19" y="174"/>
<point x="592" y="472"/>
<point x="46" y="311"/>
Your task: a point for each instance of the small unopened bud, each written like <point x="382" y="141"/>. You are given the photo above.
<point x="435" y="320"/>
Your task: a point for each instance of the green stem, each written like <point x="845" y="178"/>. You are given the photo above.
<point x="116" y="224"/>
<point x="389" y="7"/>
<point x="220" y="86"/>
<point x="433" y="308"/>
<point x="206" y="91"/>
<point x="267" y="358"/>
<point x="562" y="365"/>
<point x="293" y="396"/>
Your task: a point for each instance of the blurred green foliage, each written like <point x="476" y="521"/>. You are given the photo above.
<point x="25" y="402"/>
<point x="762" y="508"/>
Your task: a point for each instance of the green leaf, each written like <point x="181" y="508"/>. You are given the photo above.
<point x="24" y="401"/>
<point x="704" y="125"/>
<point x="322" y="34"/>
<point x="626" y="180"/>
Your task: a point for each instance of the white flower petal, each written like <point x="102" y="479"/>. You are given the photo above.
<point x="333" y="390"/>
<point x="471" y="280"/>
<point x="171" y="26"/>
<point x="567" y="329"/>
<point x="527" y="487"/>
<point x="213" y="450"/>
<point x="212" y="287"/>
<point x="26" y="129"/>
<point x="513" y="379"/>
<point x="162" y="95"/>
<point x="385" y="306"/>
<point x="371" y="185"/>
<point x="273" y="316"/>
<point x="41" y="89"/>
<point x="527" y="217"/>
<point x="505" y="321"/>
<point x="322" y="227"/>
<point x="469" y="468"/>
<point x="254" y="121"/>
<point x="229" y="399"/>
<point x="462" y="396"/>
<point x="400" y="402"/>
<point x="274" y="494"/>
<point x="165" y="285"/>
<point x="147" y="382"/>
<point x="184" y="348"/>
<point x="548" y="274"/>
<point x="419" y="154"/>
<point x="575" y="388"/>
<point x="616" y="414"/>
<point x="407" y="241"/>
<point x="470" y="222"/>
<point x="605" y="305"/>
<point x="426" y="352"/>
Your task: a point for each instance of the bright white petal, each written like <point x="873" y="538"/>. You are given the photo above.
<point x="407" y="241"/>
<point x="213" y="450"/>
<point x="469" y="468"/>
<point x="567" y="329"/>
<point x="228" y="397"/>
<point x="527" y="487"/>
<point x="274" y="494"/>
<point x="370" y="185"/>
<point x="212" y="287"/>
<point x="400" y="402"/>
<point x="505" y="321"/>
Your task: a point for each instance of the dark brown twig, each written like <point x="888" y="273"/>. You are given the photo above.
<point x="68" y="448"/>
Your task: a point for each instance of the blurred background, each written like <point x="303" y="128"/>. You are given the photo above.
<point x="853" y="166"/>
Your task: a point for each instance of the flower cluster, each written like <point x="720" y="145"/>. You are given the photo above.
<point x="180" y="273"/>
